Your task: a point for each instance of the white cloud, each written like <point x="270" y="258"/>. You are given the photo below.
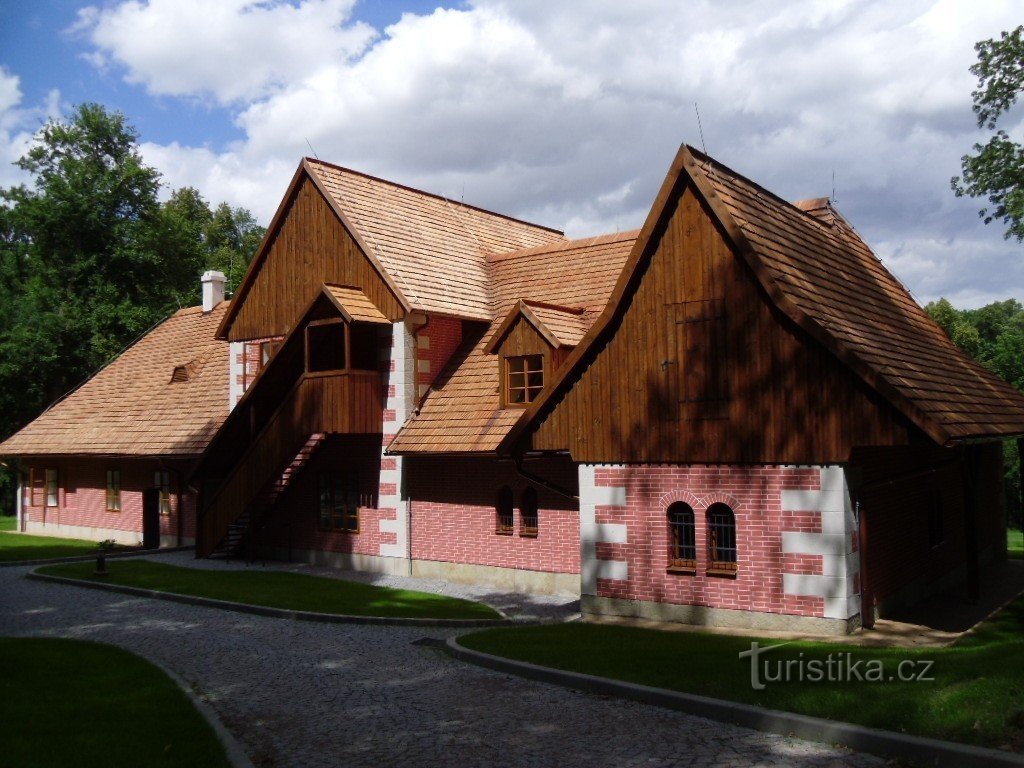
<point x="569" y="112"/>
<point x="18" y="125"/>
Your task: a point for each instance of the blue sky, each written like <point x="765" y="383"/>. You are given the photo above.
<point x="565" y="113"/>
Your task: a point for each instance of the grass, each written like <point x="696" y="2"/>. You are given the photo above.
<point x="976" y="697"/>
<point x="77" y="703"/>
<point x="292" y="591"/>
<point x="1015" y="543"/>
<point x="21" y="546"/>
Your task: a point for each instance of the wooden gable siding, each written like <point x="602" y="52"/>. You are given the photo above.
<point x="311" y="247"/>
<point x="701" y="367"/>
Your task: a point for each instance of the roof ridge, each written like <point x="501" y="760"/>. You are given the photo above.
<point x="550" y="305"/>
<point x="434" y="195"/>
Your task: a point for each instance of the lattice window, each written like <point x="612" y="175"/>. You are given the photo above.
<point x="682" y="542"/>
<point x="339" y="501"/>
<point x="503" y="512"/>
<point x="722" y="552"/>
<point x="528" y="513"/>
<point x="524" y="378"/>
<point x="162" y="482"/>
<point x="52" y="488"/>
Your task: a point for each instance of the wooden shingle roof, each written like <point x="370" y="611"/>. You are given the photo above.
<point x="355" y="305"/>
<point x="434" y="249"/>
<point x="462" y="412"/>
<point x="166" y="395"/>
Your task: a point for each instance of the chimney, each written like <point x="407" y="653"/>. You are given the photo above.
<point x="213" y="289"/>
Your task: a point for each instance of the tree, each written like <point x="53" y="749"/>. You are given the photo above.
<point x="90" y="258"/>
<point x="996" y="169"/>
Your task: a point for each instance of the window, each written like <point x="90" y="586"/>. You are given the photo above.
<point x="162" y="482"/>
<point x="682" y="539"/>
<point x="339" y="502"/>
<point x="524" y="378"/>
<point x="528" y="513"/>
<point x="365" y="343"/>
<point x="36" y="488"/>
<point x="721" y="540"/>
<point x="936" y="534"/>
<point x="52" y="494"/>
<point x="503" y="509"/>
<point x="267" y="350"/>
<point x="113" y="490"/>
<point x="325" y="346"/>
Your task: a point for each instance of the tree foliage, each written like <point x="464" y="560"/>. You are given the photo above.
<point x="996" y="169"/>
<point x="90" y="258"/>
<point x="994" y="336"/>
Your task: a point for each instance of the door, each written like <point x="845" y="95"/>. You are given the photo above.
<point x="151" y="518"/>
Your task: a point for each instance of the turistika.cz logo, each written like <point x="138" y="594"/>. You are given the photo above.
<point x="833" y="668"/>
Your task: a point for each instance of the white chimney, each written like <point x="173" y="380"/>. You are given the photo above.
<point x="213" y="289"/>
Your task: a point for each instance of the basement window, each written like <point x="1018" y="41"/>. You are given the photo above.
<point x="524" y="378"/>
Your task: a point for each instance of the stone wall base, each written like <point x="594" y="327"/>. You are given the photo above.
<point x="129" y="538"/>
<point x="700" y="615"/>
<point x="504" y="579"/>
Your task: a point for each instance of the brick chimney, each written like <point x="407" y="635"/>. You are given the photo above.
<point x="213" y="289"/>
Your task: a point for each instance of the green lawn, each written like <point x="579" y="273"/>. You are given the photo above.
<point x="1015" y="543"/>
<point x="8" y="523"/>
<point x="21" y="546"/>
<point x="76" y="703"/>
<point x="292" y="591"/>
<point x="977" y="695"/>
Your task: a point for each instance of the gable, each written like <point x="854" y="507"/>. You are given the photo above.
<point x="696" y="364"/>
<point x="307" y="247"/>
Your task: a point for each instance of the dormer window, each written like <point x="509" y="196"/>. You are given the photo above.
<point x="524" y="378"/>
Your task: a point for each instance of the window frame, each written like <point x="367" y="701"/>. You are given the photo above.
<point x="332" y="516"/>
<point x="113" y="499"/>
<point x="162" y="482"/>
<point x="51" y="477"/>
<point x="676" y="533"/>
<point x="504" y="512"/>
<point x="530" y="391"/>
<point x="716" y="565"/>
<point x="526" y="513"/>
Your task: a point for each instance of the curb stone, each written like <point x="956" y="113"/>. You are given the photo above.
<point x="236" y="755"/>
<point x="277" y="613"/>
<point x="86" y="558"/>
<point x="889" y="744"/>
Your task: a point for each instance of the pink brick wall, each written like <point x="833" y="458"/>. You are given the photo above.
<point x="250" y="361"/>
<point x="754" y="493"/>
<point x="453" y="514"/>
<point x="445" y="335"/>
<point x="82" y="496"/>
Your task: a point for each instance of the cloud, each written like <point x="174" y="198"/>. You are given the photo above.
<point x="568" y="113"/>
<point x="18" y="125"/>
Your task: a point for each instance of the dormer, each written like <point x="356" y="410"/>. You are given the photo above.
<point x="531" y="343"/>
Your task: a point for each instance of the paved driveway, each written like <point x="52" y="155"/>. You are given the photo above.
<point x="299" y="694"/>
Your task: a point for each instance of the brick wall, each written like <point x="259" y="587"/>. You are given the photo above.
<point x="454" y="520"/>
<point x="245" y="361"/>
<point x="82" y="496"/>
<point x="435" y="343"/>
<point x="626" y="537"/>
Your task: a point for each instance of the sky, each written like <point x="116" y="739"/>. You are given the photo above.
<point x="564" y="113"/>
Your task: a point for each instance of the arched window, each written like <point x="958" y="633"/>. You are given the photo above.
<point x="528" y="513"/>
<point x="503" y="509"/>
<point x="721" y="539"/>
<point x="682" y="537"/>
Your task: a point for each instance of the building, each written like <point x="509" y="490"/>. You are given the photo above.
<point x="733" y="416"/>
<point x="140" y="423"/>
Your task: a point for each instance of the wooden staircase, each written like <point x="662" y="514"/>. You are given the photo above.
<point x="241" y="531"/>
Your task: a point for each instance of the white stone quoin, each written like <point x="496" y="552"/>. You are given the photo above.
<point x="838" y="583"/>
<point x="403" y="377"/>
<point x="213" y="289"/>
<point x="593" y="532"/>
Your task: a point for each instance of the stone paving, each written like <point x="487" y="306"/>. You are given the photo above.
<point x="304" y="695"/>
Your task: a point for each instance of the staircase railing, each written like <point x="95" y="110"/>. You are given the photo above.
<point x="339" y="402"/>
